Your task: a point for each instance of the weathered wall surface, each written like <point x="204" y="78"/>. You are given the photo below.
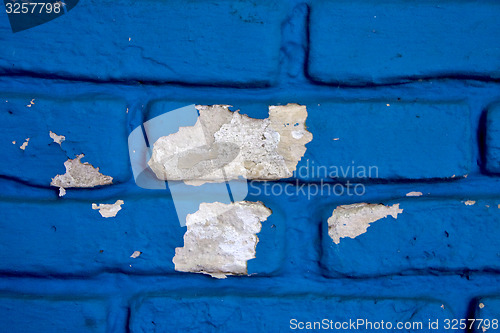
<point x="403" y="115"/>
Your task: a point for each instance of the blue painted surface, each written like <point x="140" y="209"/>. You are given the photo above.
<point x="52" y="314"/>
<point x="399" y="41"/>
<point x="83" y="79"/>
<point x="431" y="235"/>
<point x="196" y="42"/>
<point x="93" y="125"/>
<point x="486" y="308"/>
<point x="231" y="314"/>
<point x="388" y="140"/>
<point x="493" y="139"/>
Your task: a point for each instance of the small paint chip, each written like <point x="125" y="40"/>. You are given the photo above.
<point x="414" y="194"/>
<point x="25" y="144"/>
<point x="109" y="210"/>
<point x="31" y="103"/>
<point x="481" y="305"/>
<point x="470" y="203"/>
<point x="354" y="220"/>
<point x="136" y="254"/>
<point x="57" y="138"/>
<point x="62" y="192"/>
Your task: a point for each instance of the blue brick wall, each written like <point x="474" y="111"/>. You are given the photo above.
<point x="410" y="87"/>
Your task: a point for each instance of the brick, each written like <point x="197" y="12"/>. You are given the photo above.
<point x="273" y="314"/>
<point x="232" y="43"/>
<point x="487" y="309"/>
<point x="429" y="236"/>
<point x="50" y="314"/>
<point x="493" y="139"/>
<point x="363" y="42"/>
<point x="95" y="126"/>
<point x="68" y="237"/>
<point x="398" y="141"/>
<point x="387" y="140"/>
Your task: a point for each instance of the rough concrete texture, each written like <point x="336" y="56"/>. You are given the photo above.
<point x="225" y="145"/>
<point x="354" y="220"/>
<point x="80" y="174"/>
<point x="221" y="238"/>
<point x="109" y="210"/>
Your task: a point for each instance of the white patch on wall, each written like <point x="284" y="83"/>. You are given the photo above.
<point x="221" y="238"/>
<point x="414" y="194"/>
<point x="354" y="220"/>
<point x="109" y="210"/>
<point x="57" y="138"/>
<point x="25" y="144"/>
<point x="80" y="174"/>
<point x="136" y="254"/>
<point x="469" y="203"/>
<point x="225" y="145"/>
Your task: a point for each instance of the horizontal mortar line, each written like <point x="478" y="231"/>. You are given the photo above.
<point x="398" y="81"/>
<point x="245" y="284"/>
<point x="471" y="186"/>
<point x="131" y="81"/>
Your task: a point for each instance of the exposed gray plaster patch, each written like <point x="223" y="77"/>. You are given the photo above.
<point x="354" y="220"/>
<point x="225" y="145"/>
<point x="80" y="174"/>
<point x="62" y="192"/>
<point x="109" y="210"/>
<point x="414" y="194"/>
<point x="57" y="138"/>
<point x="221" y="238"/>
<point x="25" y="144"/>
